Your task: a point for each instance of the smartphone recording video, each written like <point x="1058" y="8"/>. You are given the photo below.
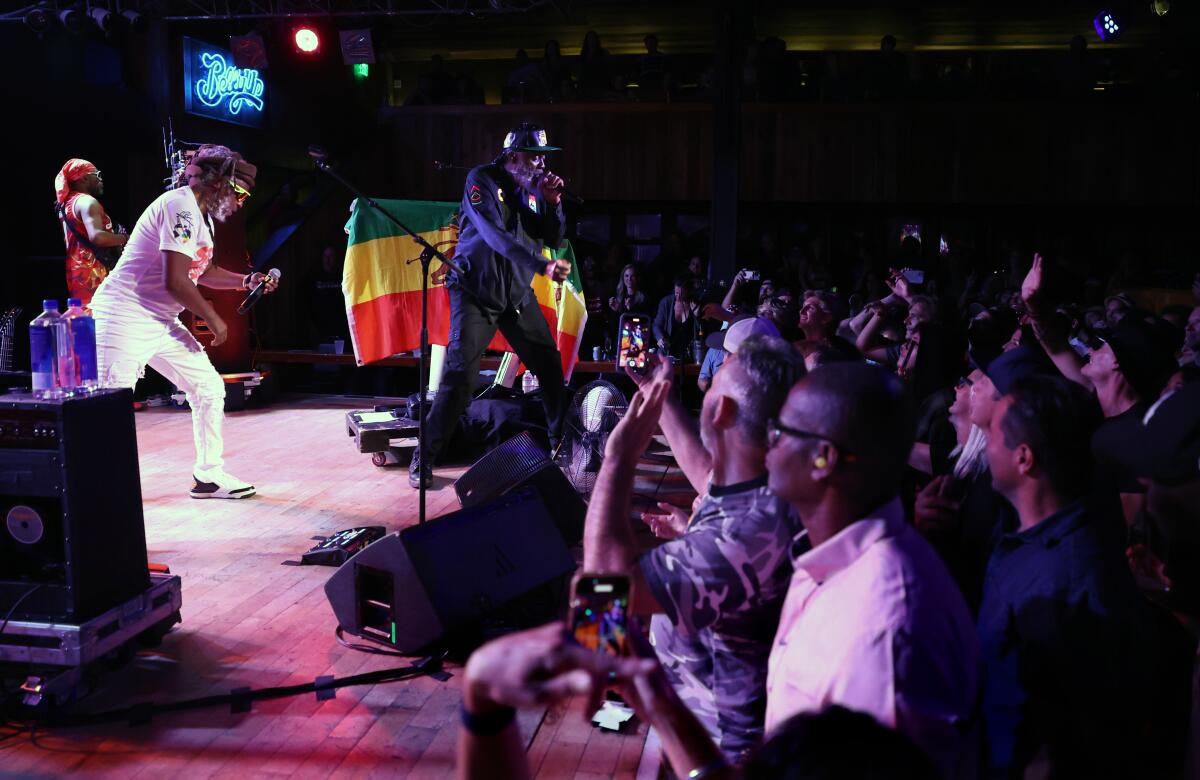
<point x="600" y="612"/>
<point x="631" y="349"/>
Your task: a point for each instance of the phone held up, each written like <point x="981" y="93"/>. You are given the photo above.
<point x="632" y="341"/>
<point x="600" y="612"/>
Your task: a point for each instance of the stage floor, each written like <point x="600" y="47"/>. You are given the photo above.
<point x="249" y="621"/>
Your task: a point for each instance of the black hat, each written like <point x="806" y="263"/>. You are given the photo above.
<point x="1018" y="363"/>
<point x="1144" y="356"/>
<point x="1164" y="445"/>
<point x="527" y="137"/>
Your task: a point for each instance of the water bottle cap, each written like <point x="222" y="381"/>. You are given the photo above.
<point x="50" y="304"/>
<point x="74" y="302"/>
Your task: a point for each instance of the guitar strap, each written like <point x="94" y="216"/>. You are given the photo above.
<point x="101" y="254"/>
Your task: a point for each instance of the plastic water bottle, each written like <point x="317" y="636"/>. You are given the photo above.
<point x="82" y="329"/>
<point x="50" y="353"/>
<point x="527" y="382"/>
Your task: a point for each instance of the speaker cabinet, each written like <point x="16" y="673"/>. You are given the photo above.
<point x="518" y="463"/>
<point x="72" y="537"/>
<point x="450" y="575"/>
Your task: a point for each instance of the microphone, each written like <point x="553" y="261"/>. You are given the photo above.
<point x="258" y="291"/>
<point x="566" y="194"/>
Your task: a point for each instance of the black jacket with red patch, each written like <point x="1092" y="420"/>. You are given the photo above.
<point x="501" y="232"/>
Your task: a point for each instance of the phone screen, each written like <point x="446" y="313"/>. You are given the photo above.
<point x="632" y="343"/>
<point x="600" y="613"/>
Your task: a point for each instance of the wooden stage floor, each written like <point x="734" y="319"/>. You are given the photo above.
<point x="249" y="621"/>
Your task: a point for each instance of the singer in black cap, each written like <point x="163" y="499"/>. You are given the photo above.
<point x="511" y="207"/>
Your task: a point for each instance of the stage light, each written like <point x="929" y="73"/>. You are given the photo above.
<point x="1161" y="7"/>
<point x="306" y="39"/>
<point x="73" y="20"/>
<point x="106" y="20"/>
<point x="1107" y="26"/>
<point x="38" y="20"/>
<point x="357" y="46"/>
<point x="249" y="51"/>
<point x="136" y="21"/>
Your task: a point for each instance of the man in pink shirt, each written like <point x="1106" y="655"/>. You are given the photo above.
<point x="872" y="620"/>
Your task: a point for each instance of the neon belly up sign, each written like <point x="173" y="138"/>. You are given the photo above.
<point x="214" y="88"/>
<point x="221" y="83"/>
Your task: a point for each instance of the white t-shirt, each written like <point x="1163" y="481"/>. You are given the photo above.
<point x="173" y="222"/>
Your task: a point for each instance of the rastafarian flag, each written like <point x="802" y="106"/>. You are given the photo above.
<point x="383" y="289"/>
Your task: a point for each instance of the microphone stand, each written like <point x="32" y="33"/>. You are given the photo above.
<point x="428" y="252"/>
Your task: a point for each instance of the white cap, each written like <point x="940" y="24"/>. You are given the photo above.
<point x="744" y="329"/>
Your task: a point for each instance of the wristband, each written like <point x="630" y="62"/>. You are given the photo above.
<point x="488" y="724"/>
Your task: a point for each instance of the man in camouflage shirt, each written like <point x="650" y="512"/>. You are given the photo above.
<point x="720" y="585"/>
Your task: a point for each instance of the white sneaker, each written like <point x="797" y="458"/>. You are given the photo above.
<point x="222" y="485"/>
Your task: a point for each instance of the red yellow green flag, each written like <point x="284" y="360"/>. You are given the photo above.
<point x="383" y="288"/>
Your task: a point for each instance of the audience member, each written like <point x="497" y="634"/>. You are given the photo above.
<point x="720" y="585"/>
<point x="540" y="666"/>
<point x="1061" y="626"/>
<point x="872" y="619"/>
<point x="820" y="314"/>
<point x="556" y="73"/>
<point x="595" y="69"/>
<point x="629" y="295"/>
<point x="525" y="82"/>
<point x="653" y="70"/>
<point x="677" y="320"/>
<point x="326" y="304"/>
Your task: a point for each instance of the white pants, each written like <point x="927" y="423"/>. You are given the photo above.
<point x="128" y="341"/>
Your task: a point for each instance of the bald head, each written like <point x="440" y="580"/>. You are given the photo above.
<point x="864" y="410"/>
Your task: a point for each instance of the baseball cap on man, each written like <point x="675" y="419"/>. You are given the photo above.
<point x="1144" y="356"/>
<point x="528" y="137"/>
<point x="1164" y="445"/>
<point x="1017" y="363"/>
<point x="733" y="336"/>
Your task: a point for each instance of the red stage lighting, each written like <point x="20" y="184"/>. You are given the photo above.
<point x="307" y="40"/>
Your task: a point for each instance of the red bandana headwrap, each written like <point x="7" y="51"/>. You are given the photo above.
<point x="72" y="170"/>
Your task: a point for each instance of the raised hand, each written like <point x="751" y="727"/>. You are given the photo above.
<point x="899" y="285"/>
<point x="551" y="187"/>
<point x="540" y="665"/>
<point x="632" y="435"/>
<point x="1031" y="287"/>
<point x="934" y="511"/>
<point x="662" y="370"/>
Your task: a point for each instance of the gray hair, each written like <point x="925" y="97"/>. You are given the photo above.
<point x="768" y="366"/>
<point x="971" y="457"/>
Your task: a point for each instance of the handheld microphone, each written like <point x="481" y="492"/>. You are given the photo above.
<point x="566" y="194"/>
<point x="257" y="292"/>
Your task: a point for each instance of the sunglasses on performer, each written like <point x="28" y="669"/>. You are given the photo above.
<point x="239" y="192"/>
